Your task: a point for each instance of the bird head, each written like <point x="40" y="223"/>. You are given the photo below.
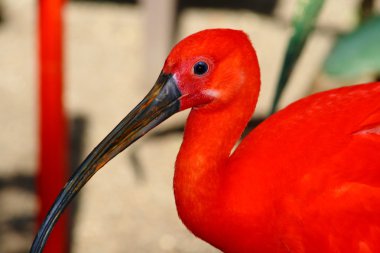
<point x="211" y="67"/>
<point x="205" y="70"/>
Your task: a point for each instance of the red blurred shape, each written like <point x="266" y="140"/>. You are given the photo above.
<point x="53" y="149"/>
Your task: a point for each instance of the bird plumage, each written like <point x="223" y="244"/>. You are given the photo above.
<point x="306" y="180"/>
<point x="317" y="164"/>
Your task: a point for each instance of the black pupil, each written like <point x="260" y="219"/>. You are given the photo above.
<point x="200" y="68"/>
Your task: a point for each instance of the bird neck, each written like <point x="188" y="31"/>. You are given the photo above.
<point x="209" y="138"/>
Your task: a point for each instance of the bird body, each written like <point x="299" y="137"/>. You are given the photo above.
<point x="310" y="168"/>
<point x="306" y="180"/>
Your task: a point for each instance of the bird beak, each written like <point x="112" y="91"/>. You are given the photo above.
<point x="160" y="103"/>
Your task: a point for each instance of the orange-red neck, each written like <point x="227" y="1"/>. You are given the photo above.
<point x="209" y="137"/>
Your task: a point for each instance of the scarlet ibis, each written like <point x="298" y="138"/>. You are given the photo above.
<point x="306" y="180"/>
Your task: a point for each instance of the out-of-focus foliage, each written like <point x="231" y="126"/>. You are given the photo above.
<point x="303" y="22"/>
<point x="356" y="53"/>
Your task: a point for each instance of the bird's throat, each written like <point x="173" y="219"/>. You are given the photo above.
<point x="199" y="172"/>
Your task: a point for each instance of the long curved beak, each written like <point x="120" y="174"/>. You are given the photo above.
<point x="161" y="102"/>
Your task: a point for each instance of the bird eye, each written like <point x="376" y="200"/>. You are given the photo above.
<point x="200" y="68"/>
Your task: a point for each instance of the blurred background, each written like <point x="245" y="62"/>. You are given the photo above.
<point x="113" y="51"/>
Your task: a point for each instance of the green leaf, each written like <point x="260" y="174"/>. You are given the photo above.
<point x="356" y="53"/>
<point x="303" y="23"/>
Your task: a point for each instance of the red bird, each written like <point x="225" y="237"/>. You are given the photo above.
<point x="307" y="180"/>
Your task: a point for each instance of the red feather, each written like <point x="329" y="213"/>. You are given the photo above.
<point x="305" y="180"/>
